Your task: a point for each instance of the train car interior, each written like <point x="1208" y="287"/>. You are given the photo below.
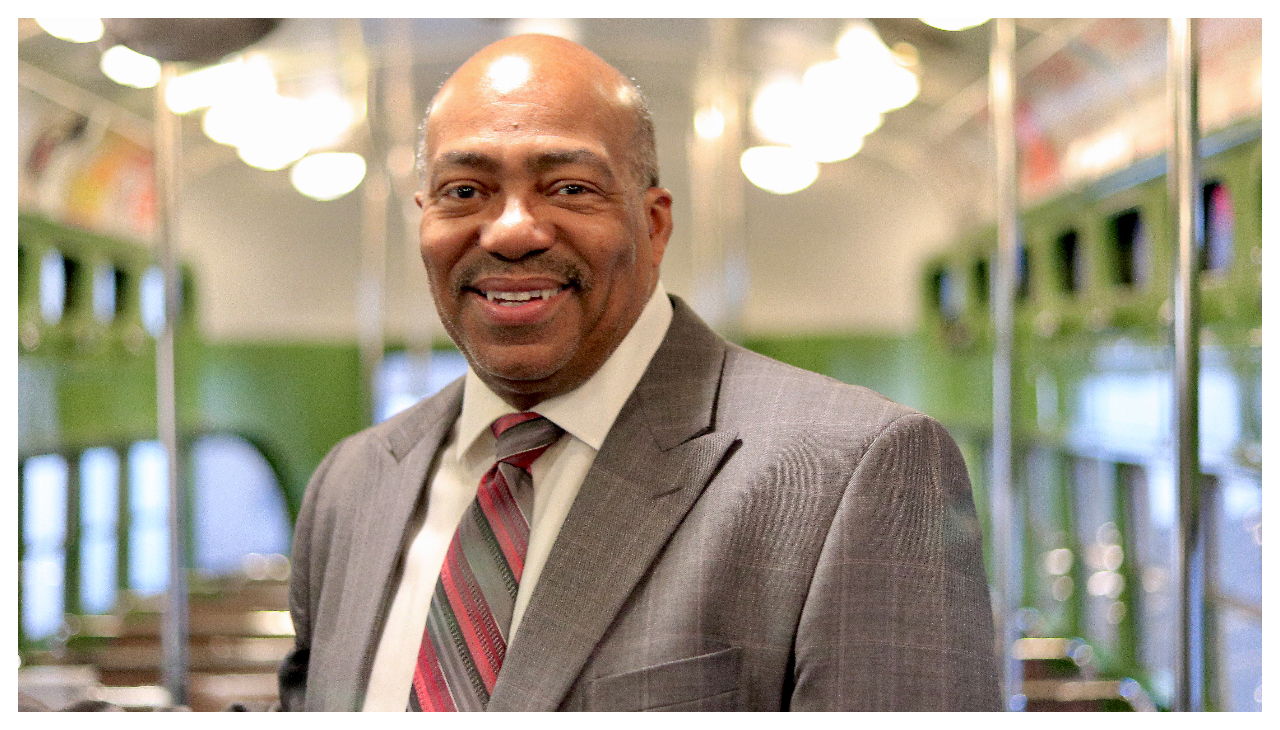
<point x="218" y="279"/>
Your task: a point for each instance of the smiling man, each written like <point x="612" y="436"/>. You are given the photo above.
<point x="615" y="509"/>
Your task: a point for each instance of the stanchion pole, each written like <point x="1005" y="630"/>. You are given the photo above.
<point x="174" y="621"/>
<point x="1003" y="93"/>
<point x="1184" y="194"/>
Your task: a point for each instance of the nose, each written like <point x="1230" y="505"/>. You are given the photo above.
<point x="516" y="233"/>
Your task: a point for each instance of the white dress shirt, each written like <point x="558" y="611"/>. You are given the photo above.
<point x="586" y="414"/>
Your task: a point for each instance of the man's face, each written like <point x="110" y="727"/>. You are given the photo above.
<point x="541" y="246"/>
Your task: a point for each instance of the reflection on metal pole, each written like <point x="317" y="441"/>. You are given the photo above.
<point x="719" y="268"/>
<point x="1184" y="193"/>
<point x="371" y="285"/>
<point x="1003" y="45"/>
<point x="174" y="619"/>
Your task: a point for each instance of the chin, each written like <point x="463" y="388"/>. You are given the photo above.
<point x="525" y="365"/>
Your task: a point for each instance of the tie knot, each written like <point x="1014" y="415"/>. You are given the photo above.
<point x="522" y="437"/>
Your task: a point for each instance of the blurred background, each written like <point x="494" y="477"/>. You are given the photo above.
<point x="834" y="192"/>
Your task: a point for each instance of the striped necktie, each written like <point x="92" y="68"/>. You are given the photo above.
<point x="470" y="616"/>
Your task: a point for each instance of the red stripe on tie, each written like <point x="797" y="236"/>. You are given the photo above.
<point x="428" y="682"/>
<point x="507" y="523"/>
<point x="475" y="621"/>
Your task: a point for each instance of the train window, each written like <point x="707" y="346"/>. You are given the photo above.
<point x="124" y="297"/>
<point x="1131" y="249"/>
<point x="148" y="518"/>
<point x="44" y="532"/>
<point x="1102" y="554"/>
<point x="99" y="510"/>
<point x="74" y="272"/>
<point x="238" y="507"/>
<point x="1066" y="262"/>
<point x="53" y="286"/>
<point x="1234" y="556"/>
<point x="22" y="269"/>
<point x="1152" y="523"/>
<point x="982" y="280"/>
<point x="1237" y="539"/>
<point x="151" y="300"/>
<point x="405" y="378"/>
<point x="1024" y="273"/>
<point x="104" y="292"/>
<point x="1219" y="223"/>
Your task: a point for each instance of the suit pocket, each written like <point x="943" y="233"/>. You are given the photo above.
<point x="707" y="682"/>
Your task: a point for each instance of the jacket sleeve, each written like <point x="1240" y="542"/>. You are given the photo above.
<point x="292" y="675"/>
<point x="898" y="615"/>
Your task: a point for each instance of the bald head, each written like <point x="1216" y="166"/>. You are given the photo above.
<point x="547" y="70"/>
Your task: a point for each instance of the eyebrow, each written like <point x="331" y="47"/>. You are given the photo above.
<point x="537" y="164"/>
<point x="557" y="158"/>
<point x="463" y="158"/>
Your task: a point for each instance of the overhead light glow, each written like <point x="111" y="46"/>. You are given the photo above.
<point x="326" y="119"/>
<point x="830" y="147"/>
<point x="76" y="30"/>
<point x="220" y="84"/>
<point x="778" y="109"/>
<point x="327" y="175"/>
<point x="779" y="170"/>
<point x="274" y="133"/>
<point x="861" y="43"/>
<point x="130" y="68"/>
<point x="954" y="23"/>
<point x="708" y="122"/>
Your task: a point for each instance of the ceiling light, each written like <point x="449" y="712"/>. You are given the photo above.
<point x="861" y="43"/>
<point x="832" y="147"/>
<point x="327" y="119"/>
<point x="130" y="68"/>
<point x="778" y="169"/>
<point x="954" y="23"/>
<point x="327" y="175"/>
<point x="777" y="110"/>
<point x="274" y="133"/>
<point x="219" y="84"/>
<point x="76" y="30"/>
<point x="708" y="122"/>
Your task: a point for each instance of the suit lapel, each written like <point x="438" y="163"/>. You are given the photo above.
<point x="394" y="490"/>
<point x="659" y="456"/>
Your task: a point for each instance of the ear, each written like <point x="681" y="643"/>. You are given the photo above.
<point x="657" y="208"/>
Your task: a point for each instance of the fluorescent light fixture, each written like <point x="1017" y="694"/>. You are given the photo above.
<point x="221" y="84"/>
<point x="708" y="122"/>
<point x="954" y="23"/>
<point x="779" y="170"/>
<point x="778" y="110"/>
<point x="130" y="68"/>
<point x="76" y="30"/>
<point x="327" y="175"/>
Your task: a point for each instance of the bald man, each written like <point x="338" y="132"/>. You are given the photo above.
<point x="616" y="509"/>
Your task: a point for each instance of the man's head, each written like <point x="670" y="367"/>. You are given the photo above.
<point x="542" y="224"/>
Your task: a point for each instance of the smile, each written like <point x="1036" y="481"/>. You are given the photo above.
<point x="516" y="298"/>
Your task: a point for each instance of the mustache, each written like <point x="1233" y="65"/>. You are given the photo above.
<point x="545" y="264"/>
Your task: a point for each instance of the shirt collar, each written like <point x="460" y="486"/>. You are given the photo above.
<point x="588" y="411"/>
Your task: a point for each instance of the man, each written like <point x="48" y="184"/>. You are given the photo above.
<point x="713" y="530"/>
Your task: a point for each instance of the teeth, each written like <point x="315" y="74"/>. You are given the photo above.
<point x="516" y="297"/>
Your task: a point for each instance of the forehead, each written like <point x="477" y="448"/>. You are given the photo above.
<point x="541" y="111"/>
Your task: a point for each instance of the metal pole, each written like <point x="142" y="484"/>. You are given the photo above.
<point x="1003" y="92"/>
<point x="174" y="619"/>
<point x="372" y="284"/>
<point x="1184" y="194"/>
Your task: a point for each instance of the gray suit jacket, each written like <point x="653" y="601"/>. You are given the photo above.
<point x="751" y="536"/>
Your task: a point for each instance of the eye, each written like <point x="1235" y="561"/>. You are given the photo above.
<point x="571" y="189"/>
<point x="463" y="192"/>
